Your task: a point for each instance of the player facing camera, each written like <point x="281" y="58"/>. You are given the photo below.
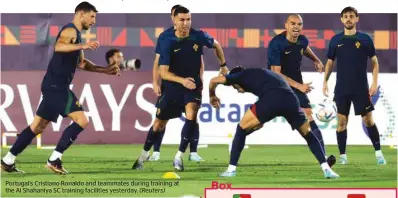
<point x="116" y="56"/>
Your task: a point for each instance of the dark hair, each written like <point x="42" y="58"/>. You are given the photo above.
<point x="349" y="9"/>
<point x="174" y="8"/>
<point x="181" y="10"/>
<point x="85" y="7"/>
<point x="110" y="53"/>
<point x="236" y="69"/>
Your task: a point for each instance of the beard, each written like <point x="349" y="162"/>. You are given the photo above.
<point x="349" y="26"/>
<point x="85" y="26"/>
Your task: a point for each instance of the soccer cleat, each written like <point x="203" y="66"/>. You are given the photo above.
<point x="10" y="168"/>
<point x="138" y="164"/>
<point x="195" y="157"/>
<point x="381" y="160"/>
<point x="331" y="160"/>
<point x="56" y="167"/>
<point x="330" y="174"/>
<point x="343" y="159"/>
<point x="155" y="156"/>
<point x="178" y="165"/>
<point x="228" y="174"/>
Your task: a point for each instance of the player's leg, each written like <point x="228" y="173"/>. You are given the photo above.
<point x="166" y="110"/>
<point x="306" y="107"/>
<point x="191" y="111"/>
<point x="297" y="120"/>
<point x="363" y="106"/>
<point x="75" y="112"/>
<point x="152" y="137"/>
<point x="343" y="104"/>
<point x="23" y="140"/>
<point x="193" y="145"/>
<point x="156" y="147"/>
<point x="246" y="126"/>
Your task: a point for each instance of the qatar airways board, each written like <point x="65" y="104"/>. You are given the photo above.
<point x="121" y="111"/>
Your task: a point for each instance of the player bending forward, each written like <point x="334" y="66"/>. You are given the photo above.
<point x="58" y="99"/>
<point x="352" y="49"/>
<point x="270" y="88"/>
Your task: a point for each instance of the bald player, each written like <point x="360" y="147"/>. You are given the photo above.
<point x="285" y="53"/>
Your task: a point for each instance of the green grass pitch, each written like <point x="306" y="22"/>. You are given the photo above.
<point x="260" y="166"/>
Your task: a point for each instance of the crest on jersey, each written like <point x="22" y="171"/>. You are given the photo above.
<point x="357" y="44"/>
<point x="78" y="103"/>
<point x="195" y="47"/>
<point x="302" y="51"/>
<point x="158" y="111"/>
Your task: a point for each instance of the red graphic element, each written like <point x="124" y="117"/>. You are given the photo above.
<point x="328" y="34"/>
<point x="54" y="30"/>
<point x="393" y="40"/>
<point x="2" y="34"/>
<point x="265" y="38"/>
<point x="356" y="196"/>
<point x="145" y="41"/>
<point x="28" y="34"/>
<point x="121" y="39"/>
<point x="104" y="35"/>
<point x="314" y="41"/>
<point x="217" y="185"/>
<point x="234" y="34"/>
<point x="222" y="37"/>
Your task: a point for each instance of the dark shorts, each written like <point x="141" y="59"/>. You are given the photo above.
<point x="303" y="99"/>
<point x="279" y="103"/>
<point x="362" y="103"/>
<point x="58" y="102"/>
<point x="171" y="104"/>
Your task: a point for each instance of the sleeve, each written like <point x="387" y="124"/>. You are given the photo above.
<point x="370" y="47"/>
<point x="206" y="39"/>
<point x="274" y="54"/>
<point x="306" y="42"/>
<point x="233" y="78"/>
<point x="165" y="49"/>
<point x="332" y="49"/>
<point x="157" y="49"/>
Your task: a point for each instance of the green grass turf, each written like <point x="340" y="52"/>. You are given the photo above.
<point x="260" y="166"/>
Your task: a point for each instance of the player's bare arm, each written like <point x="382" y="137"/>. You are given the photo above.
<point x="305" y="88"/>
<point x="87" y="65"/>
<point x="214" y="82"/>
<point x="156" y="76"/>
<point x="167" y="75"/>
<point x="202" y="68"/>
<point x="375" y="72"/>
<point x="328" y="71"/>
<point x="67" y="36"/>
<point x="220" y="56"/>
<point x="311" y="55"/>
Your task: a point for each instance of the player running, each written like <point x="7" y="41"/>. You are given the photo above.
<point x="58" y="99"/>
<point x="352" y="49"/>
<point x="285" y="53"/>
<point x="269" y="87"/>
<point x="157" y="88"/>
<point x="180" y="68"/>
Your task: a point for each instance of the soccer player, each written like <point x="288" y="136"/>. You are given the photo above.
<point x="58" y="99"/>
<point x="269" y="87"/>
<point x="157" y="88"/>
<point x="351" y="49"/>
<point x="180" y="69"/>
<point x="285" y="53"/>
